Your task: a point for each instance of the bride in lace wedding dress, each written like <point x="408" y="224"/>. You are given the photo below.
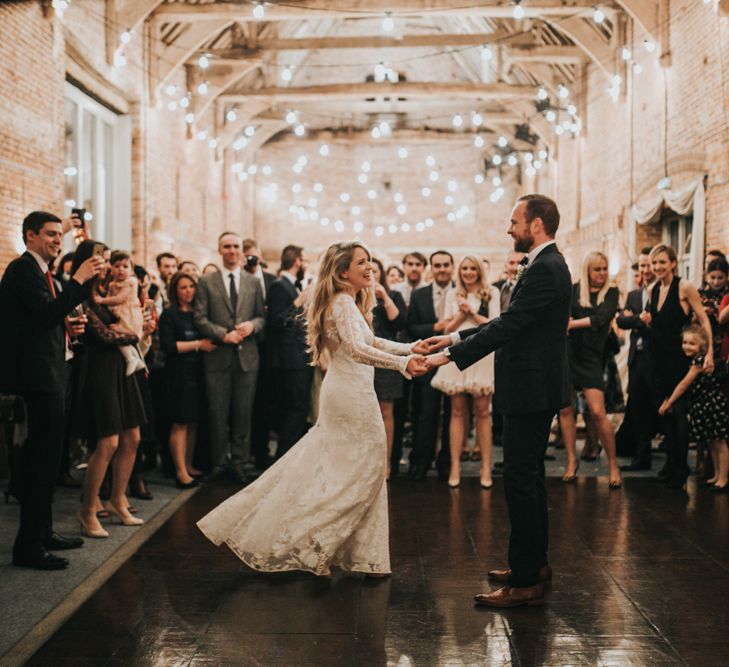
<point x="324" y="503"/>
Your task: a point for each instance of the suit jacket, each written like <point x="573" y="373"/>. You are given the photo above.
<point x="529" y="339"/>
<point x="268" y="280"/>
<point x="421" y="315"/>
<point x="286" y="331"/>
<point x="32" y="330"/>
<point x="214" y="317"/>
<point x="634" y="303"/>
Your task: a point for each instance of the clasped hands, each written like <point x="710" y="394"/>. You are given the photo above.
<point x="241" y="331"/>
<point x="426" y="359"/>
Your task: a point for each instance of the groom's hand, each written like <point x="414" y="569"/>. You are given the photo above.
<point x="433" y="344"/>
<point x="436" y="360"/>
<point x="417" y="366"/>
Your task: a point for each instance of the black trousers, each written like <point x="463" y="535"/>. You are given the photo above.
<point x="526" y="437"/>
<point x="293" y="395"/>
<point x="40" y="462"/>
<point x="641" y="409"/>
<point x="428" y="403"/>
<point x="676" y="427"/>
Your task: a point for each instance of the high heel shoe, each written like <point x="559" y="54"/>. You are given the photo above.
<point x="187" y="485"/>
<point x="126" y="521"/>
<point x="454" y="484"/>
<point x="719" y="489"/>
<point x="568" y="479"/>
<point x="487" y="485"/>
<point x="90" y="532"/>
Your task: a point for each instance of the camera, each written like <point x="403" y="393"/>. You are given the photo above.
<point x="251" y="263"/>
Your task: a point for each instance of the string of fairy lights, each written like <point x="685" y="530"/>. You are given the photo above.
<point x="558" y="110"/>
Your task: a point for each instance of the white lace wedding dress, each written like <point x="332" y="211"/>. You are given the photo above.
<point x="324" y="503"/>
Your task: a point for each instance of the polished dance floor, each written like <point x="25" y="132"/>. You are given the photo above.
<point x="641" y="578"/>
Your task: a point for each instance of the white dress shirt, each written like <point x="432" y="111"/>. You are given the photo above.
<point x="236" y="279"/>
<point x="41" y="262"/>
<point x="535" y="251"/>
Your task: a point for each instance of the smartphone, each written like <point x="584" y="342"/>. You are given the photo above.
<point x="81" y="214"/>
<point x="98" y="250"/>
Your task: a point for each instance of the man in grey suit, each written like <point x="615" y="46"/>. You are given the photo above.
<point x="229" y="310"/>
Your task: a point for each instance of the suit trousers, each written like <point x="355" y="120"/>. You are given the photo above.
<point x="676" y="427"/>
<point x="230" y="406"/>
<point x="640" y="410"/>
<point x="526" y="437"/>
<point x="428" y="403"/>
<point x="293" y="398"/>
<point x="40" y="462"/>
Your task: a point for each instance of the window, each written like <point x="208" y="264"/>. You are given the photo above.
<point x="98" y="167"/>
<point x="677" y="231"/>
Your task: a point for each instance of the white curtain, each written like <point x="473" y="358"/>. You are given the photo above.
<point x="689" y="198"/>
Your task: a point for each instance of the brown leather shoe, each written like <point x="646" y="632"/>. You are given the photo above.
<point x="502" y="576"/>
<point x="533" y="596"/>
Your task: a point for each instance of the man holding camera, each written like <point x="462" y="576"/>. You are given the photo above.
<point x="33" y="352"/>
<point x="229" y="311"/>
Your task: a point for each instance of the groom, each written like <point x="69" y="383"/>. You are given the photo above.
<point x="530" y="366"/>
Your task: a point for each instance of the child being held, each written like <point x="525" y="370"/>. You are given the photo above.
<point x="123" y="301"/>
<point x="707" y="405"/>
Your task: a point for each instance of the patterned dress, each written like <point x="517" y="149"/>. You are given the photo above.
<point x="708" y="410"/>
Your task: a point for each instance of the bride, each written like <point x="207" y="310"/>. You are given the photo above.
<point x="324" y="503"/>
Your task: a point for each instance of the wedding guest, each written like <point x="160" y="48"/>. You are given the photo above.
<point x="713" y="291"/>
<point x="414" y="265"/>
<point x="210" y="268"/>
<point x="184" y="347"/>
<point x="640" y="422"/>
<point x="290" y="359"/>
<point x="389" y="318"/>
<point x="426" y="318"/>
<point x="166" y="268"/>
<point x="472" y="303"/>
<point x="594" y="304"/>
<point x="707" y="406"/>
<point x="253" y="263"/>
<point x="673" y="300"/>
<point x="190" y="268"/>
<point x="108" y="410"/>
<point x="33" y="348"/>
<point x="229" y="311"/>
<point x="63" y="270"/>
<point x="394" y="275"/>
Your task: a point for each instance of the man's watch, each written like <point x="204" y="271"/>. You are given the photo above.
<point x="447" y="352"/>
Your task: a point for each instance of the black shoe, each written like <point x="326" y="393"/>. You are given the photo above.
<point x="189" y="485"/>
<point x="40" y="561"/>
<point x="719" y="489"/>
<point x="58" y="542"/>
<point x="636" y="465"/>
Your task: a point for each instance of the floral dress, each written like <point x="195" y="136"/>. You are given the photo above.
<point x="708" y="410"/>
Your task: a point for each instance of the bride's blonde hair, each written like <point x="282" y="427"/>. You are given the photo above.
<point x="336" y="261"/>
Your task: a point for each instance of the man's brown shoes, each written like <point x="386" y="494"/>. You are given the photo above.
<point x="533" y="596"/>
<point x="502" y="576"/>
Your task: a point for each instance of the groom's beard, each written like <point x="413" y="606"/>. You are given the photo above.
<point x="300" y="274"/>
<point x="524" y="244"/>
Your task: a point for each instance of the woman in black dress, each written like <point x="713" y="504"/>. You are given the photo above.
<point x="672" y="301"/>
<point x="182" y="343"/>
<point x="594" y="305"/>
<point x="389" y="318"/>
<point x="108" y="409"/>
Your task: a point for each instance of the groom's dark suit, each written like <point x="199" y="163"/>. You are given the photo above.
<point x="530" y="377"/>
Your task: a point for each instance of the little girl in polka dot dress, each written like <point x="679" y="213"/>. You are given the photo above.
<point x="708" y="410"/>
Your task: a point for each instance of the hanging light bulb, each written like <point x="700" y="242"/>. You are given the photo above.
<point x="649" y="45"/>
<point x="457" y="120"/>
<point x="397" y="198"/>
<point x="120" y="60"/>
<point x="344" y="197"/>
<point x="324" y="150"/>
<point x="362" y="178"/>
<point x="291" y="117"/>
<point x="203" y="62"/>
<point x="476" y="119"/>
<point x="496" y="181"/>
<point x="626" y="53"/>
<point x="542" y="94"/>
<point x="318" y="187"/>
<point x="637" y="68"/>
<point x="497" y="160"/>
<point x="518" y="10"/>
<point x="357" y="227"/>
<point x="240" y="143"/>
<point x="376" y="134"/>
<point x="125" y="37"/>
<point x="299" y="130"/>
<point x="250" y="131"/>
<point x="503" y="142"/>
<point x="478" y="141"/>
<point x="202" y="89"/>
<point x="564" y="92"/>
<point x="512" y="160"/>
<point x="486" y="53"/>
<point x="185" y="102"/>
<point x="430" y="161"/>
<point x="402" y="152"/>
<point x="286" y="74"/>
<point x="425" y="192"/>
<point x="371" y="194"/>
<point x="598" y="15"/>
<point x="478" y="179"/>
<point x="231" y="115"/>
<point x="259" y="11"/>
<point x="551" y="116"/>
<point x="388" y="25"/>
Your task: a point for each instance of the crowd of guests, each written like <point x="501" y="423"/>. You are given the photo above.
<point x="201" y="370"/>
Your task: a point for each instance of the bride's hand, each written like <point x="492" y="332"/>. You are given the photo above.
<point x="416" y="366"/>
<point x="432" y="344"/>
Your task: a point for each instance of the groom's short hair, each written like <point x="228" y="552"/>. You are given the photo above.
<point x="539" y="206"/>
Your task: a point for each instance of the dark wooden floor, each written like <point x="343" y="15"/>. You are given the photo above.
<point x="641" y="578"/>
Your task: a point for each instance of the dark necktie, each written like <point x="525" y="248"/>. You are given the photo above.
<point x="233" y="293"/>
<point x="525" y="261"/>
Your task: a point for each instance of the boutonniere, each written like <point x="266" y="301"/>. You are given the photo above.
<point x="520" y="271"/>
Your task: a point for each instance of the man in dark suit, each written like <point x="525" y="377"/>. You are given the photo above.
<point x="641" y="418"/>
<point x="263" y="402"/>
<point x="425" y="319"/>
<point x="33" y="365"/>
<point x="290" y="359"/>
<point x="531" y="386"/>
<point x="229" y="310"/>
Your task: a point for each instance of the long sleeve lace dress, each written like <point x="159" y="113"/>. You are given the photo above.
<point x="324" y="503"/>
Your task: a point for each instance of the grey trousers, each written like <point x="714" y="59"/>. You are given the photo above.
<point x="230" y="396"/>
